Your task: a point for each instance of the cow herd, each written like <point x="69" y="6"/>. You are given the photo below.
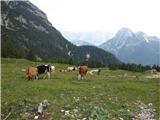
<point x="34" y="72"/>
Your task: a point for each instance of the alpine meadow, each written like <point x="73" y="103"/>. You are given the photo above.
<point x="45" y="76"/>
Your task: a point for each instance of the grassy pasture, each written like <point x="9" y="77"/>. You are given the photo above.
<point x="111" y="95"/>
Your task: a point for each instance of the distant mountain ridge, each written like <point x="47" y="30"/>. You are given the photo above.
<point x="81" y="43"/>
<point x="133" y="47"/>
<point x="93" y="38"/>
<point x="27" y="33"/>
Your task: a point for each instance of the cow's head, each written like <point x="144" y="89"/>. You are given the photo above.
<point x="52" y="68"/>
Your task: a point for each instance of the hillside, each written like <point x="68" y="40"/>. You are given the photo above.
<point x="27" y="33"/>
<point x="133" y="47"/>
<point x="110" y="95"/>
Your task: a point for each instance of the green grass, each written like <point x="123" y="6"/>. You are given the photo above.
<point x="107" y="96"/>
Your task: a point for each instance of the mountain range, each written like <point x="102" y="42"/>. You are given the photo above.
<point x="81" y="43"/>
<point x="133" y="47"/>
<point x="87" y="38"/>
<point x="27" y="33"/>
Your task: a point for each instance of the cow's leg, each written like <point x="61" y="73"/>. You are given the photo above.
<point x="82" y="76"/>
<point x="79" y="77"/>
<point x="36" y="77"/>
<point x="29" y="78"/>
<point x="48" y="74"/>
<point x="44" y="76"/>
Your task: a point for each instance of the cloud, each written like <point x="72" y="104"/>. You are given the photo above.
<point x="102" y="15"/>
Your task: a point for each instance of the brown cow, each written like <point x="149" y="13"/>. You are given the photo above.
<point x="82" y="72"/>
<point x="31" y="72"/>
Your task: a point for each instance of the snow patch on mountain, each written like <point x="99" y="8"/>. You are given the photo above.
<point x="81" y="43"/>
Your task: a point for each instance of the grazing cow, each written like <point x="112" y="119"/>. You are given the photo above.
<point x="153" y="71"/>
<point x="82" y="72"/>
<point x="96" y="70"/>
<point x="45" y="69"/>
<point x="71" y="68"/>
<point x="31" y="72"/>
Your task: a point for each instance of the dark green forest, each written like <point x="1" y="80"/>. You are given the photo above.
<point x="133" y="67"/>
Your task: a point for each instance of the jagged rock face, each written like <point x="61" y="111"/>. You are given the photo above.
<point x="27" y="33"/>
<point x="14" y="6"/>
<point x="26" y="27"/>
<point x="134" y="47"/>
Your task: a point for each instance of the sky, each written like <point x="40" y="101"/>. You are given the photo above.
<point x="102" y="15"/>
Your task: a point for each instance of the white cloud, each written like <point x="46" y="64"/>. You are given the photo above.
<point x="103" y="15"/>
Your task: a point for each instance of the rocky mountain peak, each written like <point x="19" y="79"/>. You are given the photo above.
<point x="142" y="36"/>
<point x="124" y="32"/>
<point x="9" y="9"/>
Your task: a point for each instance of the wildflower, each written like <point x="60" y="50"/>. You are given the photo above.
<point x="62" y="110"/>
<point x="67" y="112"/>
<point x="121" y="118"/>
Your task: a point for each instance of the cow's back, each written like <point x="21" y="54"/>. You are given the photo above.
<point x="43" y="69"/>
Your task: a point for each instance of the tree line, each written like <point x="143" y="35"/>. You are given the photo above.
<point x="133" y="67"/>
